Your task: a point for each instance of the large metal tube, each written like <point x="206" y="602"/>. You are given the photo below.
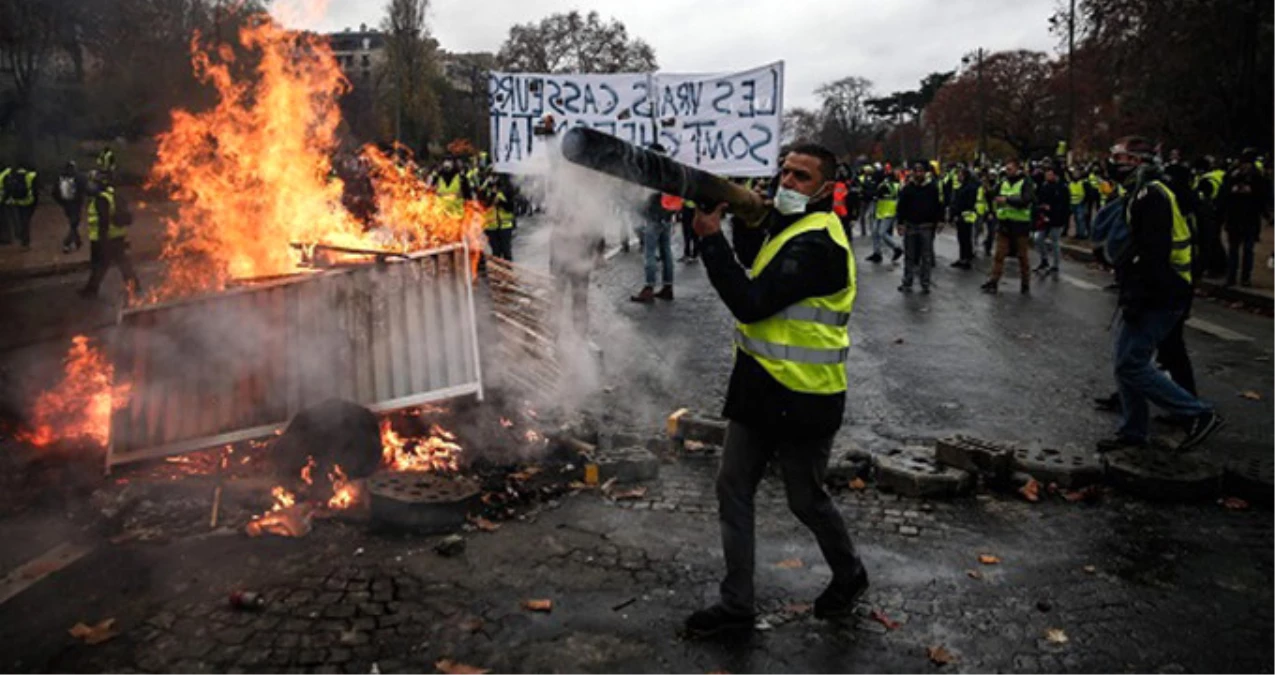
<point x="601" y="152"/>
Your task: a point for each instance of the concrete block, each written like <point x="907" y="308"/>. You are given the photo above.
<point x="915" y="472"/>
<point x="1250" y="479"/>
<point x="688" y="426"/>
<point x="1162" y="475"/>
<point x="976" y="455"/>
<point x="1069" y="467"/>
<point x="634" y="464"/>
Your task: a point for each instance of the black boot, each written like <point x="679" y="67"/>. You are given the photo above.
<point x="717" y="619"/>
<point x="839" y="599"/>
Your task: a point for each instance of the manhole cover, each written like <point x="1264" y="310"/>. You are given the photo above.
<point x="1250" y="478"/>
<point x="422" y="501"/>
<point x="914" y="471"/>
<point x="1157" y="474"/>
<point x="1068" y="467"/>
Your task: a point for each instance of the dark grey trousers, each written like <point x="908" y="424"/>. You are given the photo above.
<point x="803" y="465"/>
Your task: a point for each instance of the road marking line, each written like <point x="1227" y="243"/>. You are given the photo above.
<point x="1079" y="283"/>
<point x="37" y="569"/>
<point x="1217" y="331"/>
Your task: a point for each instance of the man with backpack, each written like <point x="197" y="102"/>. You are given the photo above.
<point x="69" y="192"/>
<point x="108" y="217"/>
<point x="20" y="197"/>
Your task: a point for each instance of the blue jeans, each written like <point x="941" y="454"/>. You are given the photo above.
<point x="1139" y="380"/>
<point x="881" y="233"/>
<point x="1046" y="237"/>
<point x="1081" y="212"/>
<point x="656" y="240"/>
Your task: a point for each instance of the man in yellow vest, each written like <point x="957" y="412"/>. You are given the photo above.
<point x="1154" y="276"/>
<point x="452" y="185"/>
<point x="1013" y="201"/>
<point x="787" y="393"/>
<point x="20" y="197"/>
<point x="107" y="217"/>
<point x="886" y="209"/>
<point x="499" y="223"/>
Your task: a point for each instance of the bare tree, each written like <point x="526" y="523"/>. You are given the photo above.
<point x="574" y="43"/>
<point x="846" y="116"/>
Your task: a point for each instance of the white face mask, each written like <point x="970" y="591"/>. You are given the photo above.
<point x="789" y="202"/>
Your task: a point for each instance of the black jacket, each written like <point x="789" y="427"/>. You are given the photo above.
<point x="920" y="204"/>
<point x="809" y="265"/>
<point x="965" y="199"/>
<point x="1242" y="201"/>
<point x="1146" y="277"/>
<point x="1057" y="196"/>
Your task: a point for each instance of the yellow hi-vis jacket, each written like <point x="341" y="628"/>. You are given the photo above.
<point x="804" y="347"/>
<point x="498" y="216"/>
<point x="1180" y="253"/>
<point x="113" y="230"/>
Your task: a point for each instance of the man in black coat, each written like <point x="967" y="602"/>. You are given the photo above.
<point x="920" y="210"/>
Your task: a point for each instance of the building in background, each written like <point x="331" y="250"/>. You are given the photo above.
<point x="358" y="52"/>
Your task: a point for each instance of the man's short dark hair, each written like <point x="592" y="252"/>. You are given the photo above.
<point x="827" y="160"/>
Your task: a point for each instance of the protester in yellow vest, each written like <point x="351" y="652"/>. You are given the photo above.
<point x="887" y="204"/>
<point x="787" y="393"/>
<point x="107" y="217"/>
<point x="499" y="221"/>
<point x="1014" y="200"/>
<point x="20" y="195"/>
<point x="1155" y="294"/>
<point x="452" y="185"/>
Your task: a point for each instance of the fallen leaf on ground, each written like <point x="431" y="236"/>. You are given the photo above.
<point x="1250" y="395"/>
<point x="797" y="608"/>
<point x="939" y="655"/>
<point x="96" y="634"/>
<point x="635" y="493"/>
<point x="857" y="484"/>
<point x="538" y="605"/>
<point x="1030" y="491"/>
<point x="1090" y="569"/>
<point x="486" y="525"/>
<point x="989" y="559"/>
<point x="974" y="574"/>
<point x="1234" y="503"/>
<point x="880" y="617"/>
<point x="1086" y="494"/>
<point x="1056" y="636"/>
<point x="471" y="625"/>
<point x="453" y="668"/>
<point x="790" y="564"/>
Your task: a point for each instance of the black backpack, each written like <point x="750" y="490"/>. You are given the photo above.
<point x="15" y="186"/>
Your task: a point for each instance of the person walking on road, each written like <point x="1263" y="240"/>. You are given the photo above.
<point x="887" y="200"/>
<point x="787" y="391"/>
<point x="1154" y="274"/>
<point x="919" y="211"/>
<point x="1054" y="200"/>
<point x="108" y="218"/>
<point x="21" y="195"/>
<point x="1013" y="201"/>
<point x="69" y="193"/>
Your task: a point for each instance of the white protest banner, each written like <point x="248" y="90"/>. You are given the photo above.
<point x="727" y="124"/>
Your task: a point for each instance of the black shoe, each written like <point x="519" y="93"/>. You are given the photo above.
<point x="989" y="287"/>
<point x="905" y="288"/>
<point x="717" y="619"/>
<point x="874" y="258"/>
<point x="665" y="293"/>
<point x="1042" y="267"/>
<point x="925" y="289"/>
<point x="898" y="253"/>
<point x="1109" y="404"/>
<point x="1179" y="421"/>
<point x="1025" y="289"/>
<point x="1202" y="427"/>
<point x="839" y="599"/>
<point x="1119" y="443"/>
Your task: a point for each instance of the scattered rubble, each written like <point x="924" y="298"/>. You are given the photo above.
<point x="914" y="472"/>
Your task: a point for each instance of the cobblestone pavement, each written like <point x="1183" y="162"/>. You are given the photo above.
<point x="1118" y="584"/>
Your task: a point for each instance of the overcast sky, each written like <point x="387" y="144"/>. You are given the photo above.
<point x="893" y="43"/>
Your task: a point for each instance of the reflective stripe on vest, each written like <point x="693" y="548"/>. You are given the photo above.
<point x="496" y="217"/>
<point x="113" y="231"/>
<point x="1013" y="213"/>
<point x="888" y="205"/>
<point x="805" y="346"/>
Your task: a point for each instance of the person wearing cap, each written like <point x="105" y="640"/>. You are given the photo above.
<point x="1245" y="200"/>
<point x="1154" y="276"/>
<point x="787" y="392"/>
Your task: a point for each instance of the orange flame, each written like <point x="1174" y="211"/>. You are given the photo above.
<point x="80" y="406"/>
<point x="435" y="452"/>
<point x="307" y="471"/>
<point x="282" y="498"/>
<point x="253" y="175"/>
<point x="345" y="493"/>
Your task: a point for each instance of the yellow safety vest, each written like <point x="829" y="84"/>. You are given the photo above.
<point x="1077" y="189"/>
<point x="1180" y="253"/>
<point x="113" y="230"/>
<point x="1005" y="212"/>
<point x="804" y="347"/>
<point x="980" y="204"/>
<point x="447" y="188"/>
<point x="1213" y="179"/>
<point x="25" y="201"/>
<point x="497" y="217"/>
<point x="888" y="205"/>
<point x="106" y="159"/>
